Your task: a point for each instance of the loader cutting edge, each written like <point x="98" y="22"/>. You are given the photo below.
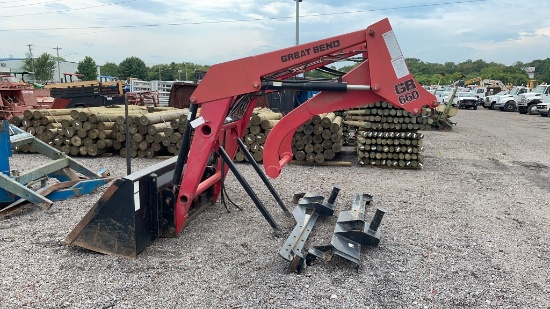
<point x="125" y="220"/>
<point x="104" y="231"/>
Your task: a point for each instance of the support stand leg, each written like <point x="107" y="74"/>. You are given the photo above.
<point x="248" y="189"/>
<point x="263" y="177"/>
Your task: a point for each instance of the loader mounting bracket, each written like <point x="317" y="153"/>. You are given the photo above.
<point x="306" y="213"/>
<point x="350" y="233"/>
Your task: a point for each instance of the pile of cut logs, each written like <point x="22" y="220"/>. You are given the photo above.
<point x="260" y="124"/>
<point x="388" y="136"/>
<point x="389" y="148"/>
<point x="102" y="130"/>
<point x="158" y="131"/>
<point x="385" y="116"/>
<point x="317" y="140"/>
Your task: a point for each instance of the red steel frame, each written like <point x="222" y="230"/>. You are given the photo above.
<point x="226" y="83"/>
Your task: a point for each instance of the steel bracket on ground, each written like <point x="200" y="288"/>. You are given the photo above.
<point x="350" y="233"/>
<point x="15" y="186"/>
<point x="309" y="208"/>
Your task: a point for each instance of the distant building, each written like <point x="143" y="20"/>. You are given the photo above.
<point x="16" y="65"/>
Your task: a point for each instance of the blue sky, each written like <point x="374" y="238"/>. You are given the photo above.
<point x="213" y="31"/>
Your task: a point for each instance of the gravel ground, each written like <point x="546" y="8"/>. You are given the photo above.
<point x="470" y="230"/>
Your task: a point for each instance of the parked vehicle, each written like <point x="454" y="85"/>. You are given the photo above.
<point x="465" y="100"/>
<point x="491" y="100"/>
<point x="17" y="97"/>
<point x="443" y="96"/>
<point x="543" y="109"/>
<point x="479" y="93"/>
<point x="509" y="101"/>
<point x="527" y="102"/>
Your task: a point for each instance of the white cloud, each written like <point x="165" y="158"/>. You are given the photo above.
<point x="214" y="31"/>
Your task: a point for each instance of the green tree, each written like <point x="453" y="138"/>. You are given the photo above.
<point x="506" y="74"/>
<point x="87" y="67"/>
<point x="432" y="79"/>
<point x="174" y="70"/>
<point x="109" y="69"/>
<point x="161" y="72"/>
<point x="194" y="68"/>
<point x="542" y="69"/>
<point x="418" y="67"/>
<point x="318" y="74"/>
<point x="132" y="67"/>
<point x="188" y="70"/>
<point x="44" y="66"/>
<point x="348" y="68"/>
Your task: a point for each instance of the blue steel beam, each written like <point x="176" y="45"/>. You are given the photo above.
<point x="10" y="185"/>
<point x="81" y="188"/>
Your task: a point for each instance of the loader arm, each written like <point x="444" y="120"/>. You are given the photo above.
<point x="382" y="76"/>
<point x="226" y="97"/>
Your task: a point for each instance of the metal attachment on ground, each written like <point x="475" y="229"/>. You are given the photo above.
<point x="131" y="214"/>
<point x="309" y="208"/>
<point x="351" y="232"/>
<point x="15" y="186"/>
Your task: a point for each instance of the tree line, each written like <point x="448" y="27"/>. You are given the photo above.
<point x="433" y="73"/>
<point x="44" y="66"/>
<point x="426" y="73"/>
<point x="447" y="73"/>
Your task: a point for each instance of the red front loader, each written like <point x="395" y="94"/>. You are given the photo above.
<point x="160" y="200"/>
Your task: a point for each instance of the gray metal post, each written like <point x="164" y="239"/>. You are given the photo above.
<point x="298" y="21"/>
<point x="127" y="129"/>
<point x="58" y="66"/>
<point x="32" y="63"/>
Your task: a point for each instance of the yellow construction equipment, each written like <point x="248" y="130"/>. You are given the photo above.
<point x="532" y="83"/>
<point x="478" y="80"/>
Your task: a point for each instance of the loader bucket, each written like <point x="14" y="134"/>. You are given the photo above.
<point x="131" y="214"/>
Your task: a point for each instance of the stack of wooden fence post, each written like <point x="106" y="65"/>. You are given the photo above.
<point x="319" y="139"/>
<point x="388" y="136"/>
<point x="390" y="148"/>
<point x="348" y="132"/>
<point x="260" y="124"/>
<point x="98" y="130"/>
<point x="385" y="116"/>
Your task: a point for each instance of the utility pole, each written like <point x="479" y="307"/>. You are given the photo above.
<point x="58" y="68"/>
<point x="186" y="71"/>
<point x="32" y="62"/>
<point x="159" y="73"/>
<point x="298" y="21"/>
<point x="298" y="26"/>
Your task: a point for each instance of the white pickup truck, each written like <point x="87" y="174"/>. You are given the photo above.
<point x="528" y="102"/>
<point x="443" y="95"/>
<point x="465" y="99"/>
<point x="508" y="102"/>
<point x="491" y="100"/>
<point x="543" y="109"/>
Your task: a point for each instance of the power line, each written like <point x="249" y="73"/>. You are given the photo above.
<point x="9" y="1"/>
<point x="67" y="10"/>
<point x="31" y="4"/>
<point x="243" y="20"/>
<point x="12" y="50"/>
<point x="60" y="35"/>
